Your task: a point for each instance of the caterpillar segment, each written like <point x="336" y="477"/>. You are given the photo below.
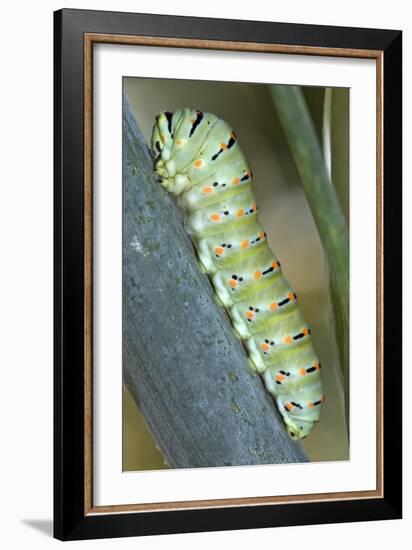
<point x="199" y="160"/>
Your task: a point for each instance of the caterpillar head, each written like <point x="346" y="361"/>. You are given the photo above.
<point x="298" y="429"/>
<point x="162" y="145"/>
<point x="298" y="425"/>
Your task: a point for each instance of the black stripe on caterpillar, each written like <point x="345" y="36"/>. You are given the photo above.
<point x="199" y="160"/>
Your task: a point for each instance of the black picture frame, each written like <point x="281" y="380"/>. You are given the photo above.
<point x="71" y="519"/>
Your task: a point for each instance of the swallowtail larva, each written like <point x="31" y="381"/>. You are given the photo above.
<point x="199" y="160"/>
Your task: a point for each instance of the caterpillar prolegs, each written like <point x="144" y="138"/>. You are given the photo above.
<point x="199" y="160"/>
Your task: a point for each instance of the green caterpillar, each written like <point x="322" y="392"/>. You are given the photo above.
<point x="199" y="160"/>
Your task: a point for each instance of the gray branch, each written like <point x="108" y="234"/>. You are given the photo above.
<point x="182" y="364"/>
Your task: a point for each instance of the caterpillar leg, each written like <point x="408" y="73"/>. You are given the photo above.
<point x="203" y="268"/>
<point x="236" y="334"/>
<point x="255" y="356"/>
<point x="252" y="365"/>
<point x="219" y="301"/>
<point x="205" y="259"/>
<point x="239" y="324"/>
<point x="221" y="290"/>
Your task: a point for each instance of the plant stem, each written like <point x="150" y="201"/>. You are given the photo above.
<point x="323" y="201"/>
<point x="182" y="363"/>
<point x="326" y="131"/>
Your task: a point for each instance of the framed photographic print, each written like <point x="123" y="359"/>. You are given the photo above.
<point x="227" y="272"/>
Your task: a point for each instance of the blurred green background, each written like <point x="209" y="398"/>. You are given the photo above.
<point x="287" y="219"/>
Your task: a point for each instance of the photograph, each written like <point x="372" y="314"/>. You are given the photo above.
<point x="235" y="274"/>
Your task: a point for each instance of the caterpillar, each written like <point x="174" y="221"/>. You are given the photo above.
<point x="198" y="159"/>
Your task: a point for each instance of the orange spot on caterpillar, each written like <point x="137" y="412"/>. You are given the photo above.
<point x="302" y="372"/>
<point x="179" y="142"/>
<point x="316" y="364"/>
<point x="223" y="146"/>
<point x="261" y="235"/>
<point x="257" y="275"/>
<point x="310" y="404"/>
<point x="249" y="314"/>
<point x="275" y="264"/>
<point x="265" y="346"/>
<point x="215" y="217"/>
<point x="207" y="189"/>
<point x="287" y="339"/>
<point x="198" y="163"/>
<point x="240" y="213"/>
<point x="253" y="207"/>
<point x="280" y="377"/>
<point x="244" y="244"/>
<point x="219" y="250"/>
<point x="291" y="296"/>
<point x="288" y="406"/>
<point x="232" y="283"/>
<point x="273" y="306"/>
<point x="235" y="181"/>
<point x="305" y="331"/>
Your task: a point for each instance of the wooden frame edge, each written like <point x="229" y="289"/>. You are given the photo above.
<point x="89" y="40"/>
<point x="207" y="44"/>
<point x="232" y="502"/>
